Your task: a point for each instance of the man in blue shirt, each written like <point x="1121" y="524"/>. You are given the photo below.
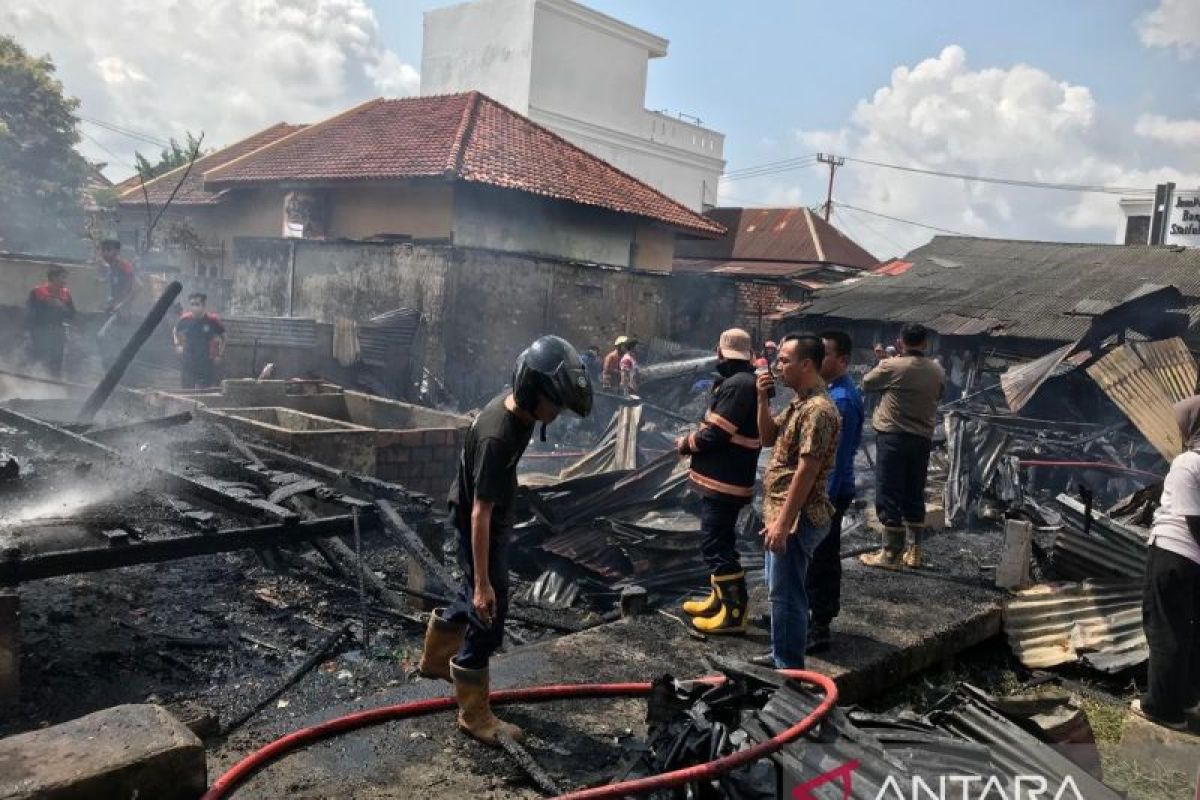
<point x="824" y="582"/>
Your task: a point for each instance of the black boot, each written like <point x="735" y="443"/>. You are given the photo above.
<point x="819" y="638"/>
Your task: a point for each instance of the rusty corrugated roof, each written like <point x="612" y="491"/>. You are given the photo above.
<point x="784" y="235"/>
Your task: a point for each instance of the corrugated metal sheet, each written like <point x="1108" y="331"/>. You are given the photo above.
<point x="1146" y="390"/>
<point x="272" y="331"/>
<point x="1172" y="363"/>
<point x="1020" y="383"/>
<point x="776" y="234"/>
<point x="389" y="338"/>
<point x="1097" y="622"/>
<point x="1109" y="549"/>
<point x="1034" y="286"/>
<point x="881" y="755"/>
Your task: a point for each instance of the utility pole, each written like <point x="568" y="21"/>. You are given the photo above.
<point x="834" y="162"/>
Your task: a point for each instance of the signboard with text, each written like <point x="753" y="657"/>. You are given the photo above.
<point x="1183" y="219"/>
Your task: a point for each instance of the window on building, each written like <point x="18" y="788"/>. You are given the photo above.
<point x="1137" y="230"/>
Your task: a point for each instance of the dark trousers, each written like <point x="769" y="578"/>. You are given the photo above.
<point x="46" y="350"/>
<point x="901" y="464"/>
<point x="1171" y="616"/>
<point x="718" y="525"/>
<point x="482" y="640"/>
<point x="197" y="373"/>
<point x="824" y="583"/>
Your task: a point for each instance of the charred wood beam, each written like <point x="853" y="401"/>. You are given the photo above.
<point x="160" y="423"/>
<point x="396" y="529"/>
<point x="111" y="378"/>
<point x="365" y="484"/>
<point x="15" y="569"/>
<point x="164" y="478"/>
<point x="319" y="654"/>
<point x="240" y="446"/>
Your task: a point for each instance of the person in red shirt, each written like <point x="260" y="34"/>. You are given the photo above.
<point x="200" y="342"/>
<point x="48" y="310"/>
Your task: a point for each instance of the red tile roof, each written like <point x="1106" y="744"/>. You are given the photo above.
<point x="777" y="234"/>
<point x="468" y="137"/>
<point x="192" y="192"/>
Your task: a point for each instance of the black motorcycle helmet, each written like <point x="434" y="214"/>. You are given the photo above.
<point x="551" y="366"/>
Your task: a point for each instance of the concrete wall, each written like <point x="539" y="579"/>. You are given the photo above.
<point x="498" y="219"/>
<point x="569" y="54"/>
<point x="419" y="210"/>
<point x="486" y="46"/>
<point x="482" y="307"/>
<point x="501" y="303"/>
<point x="19" y="275"/>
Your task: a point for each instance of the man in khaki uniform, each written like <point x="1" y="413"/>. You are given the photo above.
<point x="911" y="387"/>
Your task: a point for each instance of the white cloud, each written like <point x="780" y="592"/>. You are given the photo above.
<point x="224" y="67"/>
<point x="1173" y="24"/>
<point x="1018" y="122"/>
<point x="1179" y="132"/>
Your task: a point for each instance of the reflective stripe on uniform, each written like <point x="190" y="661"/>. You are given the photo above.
<point x="706" y="482"/>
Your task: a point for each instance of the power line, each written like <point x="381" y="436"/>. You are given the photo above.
<point x="132" y="134"/>
<point x="901" y="220"/>
<point x="878" y="233"/>
<point x="1066" y="187"/>
<point x="800" y="162"/>
<point x="116" y="157"/>
<point x="770" y="167"/>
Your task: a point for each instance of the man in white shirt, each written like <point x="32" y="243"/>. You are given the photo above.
<point x="1171" y="601"/>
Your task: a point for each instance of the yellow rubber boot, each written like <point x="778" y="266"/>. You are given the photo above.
<point x="890" y="554"/>
<point x="731" y="617"/>
<point x="475" y="717"/>
<point x="704" y="607"/>
<point x="443" y="639"/>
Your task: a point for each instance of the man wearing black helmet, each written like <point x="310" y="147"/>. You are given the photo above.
<point x="549" y="377"/>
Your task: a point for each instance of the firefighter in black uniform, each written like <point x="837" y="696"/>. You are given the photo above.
<point x="549" y="378"/>
<point x="724" y="453"/>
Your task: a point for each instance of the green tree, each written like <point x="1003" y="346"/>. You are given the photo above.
<point x="176" y="155"/>
<point x="42" y="177"/>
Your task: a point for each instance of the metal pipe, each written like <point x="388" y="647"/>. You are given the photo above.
<point x="105" y="388"/>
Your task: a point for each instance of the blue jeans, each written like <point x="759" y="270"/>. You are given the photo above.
<point x="787" y="574"/>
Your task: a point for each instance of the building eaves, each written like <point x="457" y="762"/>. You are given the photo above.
<point x="467" y="137"/>
<point x="1034" y="288"/>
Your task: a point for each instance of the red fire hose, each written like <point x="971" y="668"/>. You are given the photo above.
<point x="240" y="771"/>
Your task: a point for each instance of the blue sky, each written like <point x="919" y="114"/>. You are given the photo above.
<point x="1103" y="92"/>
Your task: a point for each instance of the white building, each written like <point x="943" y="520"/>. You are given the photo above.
<point x="1178" y="211"/>
<point x="580" y="73"/>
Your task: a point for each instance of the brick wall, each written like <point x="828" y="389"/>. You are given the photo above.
<point x="422" y="460"/>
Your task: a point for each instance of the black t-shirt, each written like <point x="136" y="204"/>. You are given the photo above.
<point x="197" y="332"/>
<point x="487" y="469"/>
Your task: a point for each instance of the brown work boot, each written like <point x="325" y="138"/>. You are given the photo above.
<point x="733" y="601"/>
<point x="889" y="555"/>
<point x="443" y="639"/>
<point x="706" y="606"/>
<point x="914" y="557"/>
<point x="475" y="717"/>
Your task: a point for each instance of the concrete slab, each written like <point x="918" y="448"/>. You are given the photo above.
<point x="124" y="751"/>
<point x="891" y="625"/>
<point x="1155" y="748"/>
